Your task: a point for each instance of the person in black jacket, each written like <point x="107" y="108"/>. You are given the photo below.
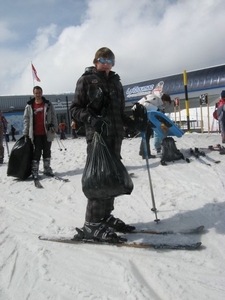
<point x="99" y="103"/>
<point x="13" y="131"/>
<point x="3" y="129"/>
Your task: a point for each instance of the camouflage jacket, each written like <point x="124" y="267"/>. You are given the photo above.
<point x="97" y="94"/>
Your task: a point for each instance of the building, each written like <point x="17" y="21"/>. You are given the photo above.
<point x="209" y="81"/>
<point x="201" y="85"/>
<point x="205" y="81"/>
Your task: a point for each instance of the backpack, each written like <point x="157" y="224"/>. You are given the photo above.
<point x="215" y="116"/>
<point x="170" y="151"/>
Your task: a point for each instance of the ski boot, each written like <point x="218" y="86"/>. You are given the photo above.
<point x="97" y="232"/>
<point x="117" y="224"/>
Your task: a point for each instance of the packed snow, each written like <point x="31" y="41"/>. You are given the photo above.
<point x="187" y="195"/>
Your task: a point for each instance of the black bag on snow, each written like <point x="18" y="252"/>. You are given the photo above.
<point x="170" y="151"/>
<point x="19" y="164"/>
<point x="104" y="174"/>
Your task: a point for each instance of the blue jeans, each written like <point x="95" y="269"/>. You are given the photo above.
<point x="157" y="141"/>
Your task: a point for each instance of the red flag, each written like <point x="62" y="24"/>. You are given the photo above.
<point x="34" y="72"/>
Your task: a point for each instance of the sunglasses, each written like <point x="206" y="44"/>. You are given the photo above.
<point x="105" y="61"/>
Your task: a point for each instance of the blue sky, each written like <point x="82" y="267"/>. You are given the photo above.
<point x="149" y="38"/>
<point x="22" y="18"/>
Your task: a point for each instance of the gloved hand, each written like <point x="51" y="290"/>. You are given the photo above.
<point x="97" y="123"/>
<point x="140" y="116"/>
<point x="135" y="124"/>
<point x="26" y="137"/>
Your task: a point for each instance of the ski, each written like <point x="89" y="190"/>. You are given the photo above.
<point x="196" y="155"/>
<point x="157" y="246"/>
<point x="195" y="230"/>
<point x="60" y="178"/>
<point x="217" y="147"/>
<point x="56" y="177"/>
<point x="212" y="159"/>
<point x="202" y="153"/>
<point x="38" y="184"/>
<point x="202" y="161"/>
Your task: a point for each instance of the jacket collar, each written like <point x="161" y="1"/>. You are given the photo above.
<point x="31" y="101"/>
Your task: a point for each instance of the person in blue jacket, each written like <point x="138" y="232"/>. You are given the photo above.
<point x="153" y="102"/>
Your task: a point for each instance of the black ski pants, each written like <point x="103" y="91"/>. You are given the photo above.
<point x="41" y="147"/>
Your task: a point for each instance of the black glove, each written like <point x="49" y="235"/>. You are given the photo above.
<point x="97" y="123"/>
<point x="50" y="126"/>
<point x="140" y="116"/>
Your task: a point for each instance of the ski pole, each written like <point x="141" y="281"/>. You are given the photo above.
<point x="60" y="142"/>
<point x="62" y="145"/>
<point x="143" y="135"/>
<point x="7" y="146"/>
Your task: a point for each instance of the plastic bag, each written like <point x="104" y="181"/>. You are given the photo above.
<point x="19" y="164"/>
<point x="104" y="174"/>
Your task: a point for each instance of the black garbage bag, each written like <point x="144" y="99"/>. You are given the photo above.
<point x="104" y="174"/>
<point x="19" y="164"/>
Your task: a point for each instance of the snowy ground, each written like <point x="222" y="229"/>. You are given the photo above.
<point x="186" y="195"/>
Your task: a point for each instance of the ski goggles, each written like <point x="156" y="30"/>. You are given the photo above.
<point x="106" y="61"/>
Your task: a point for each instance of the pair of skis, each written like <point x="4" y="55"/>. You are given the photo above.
<point x="124" y="243"/>
<point x="218" y="147"/>
<point x="38" y="184"/>
<point x="197" y="153"/>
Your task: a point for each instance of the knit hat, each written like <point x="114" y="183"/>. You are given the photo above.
<point x="223" y="94"/>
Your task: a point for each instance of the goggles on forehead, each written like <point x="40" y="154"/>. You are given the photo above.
<point x="106" y="61"/>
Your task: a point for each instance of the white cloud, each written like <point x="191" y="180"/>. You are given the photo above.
<point x="149" y="38"/>
<point x="5" y="33"/>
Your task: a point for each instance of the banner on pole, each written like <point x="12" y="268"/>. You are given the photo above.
<point x="34" y="72"/>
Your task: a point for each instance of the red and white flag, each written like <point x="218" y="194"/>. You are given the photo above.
<point x="34" y="72"/>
